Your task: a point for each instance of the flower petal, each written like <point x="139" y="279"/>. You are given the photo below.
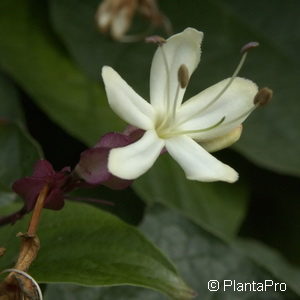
<point x="125" y="102"/>
<point x="135" y="159"/>
<point x="92" y="166"/>
<point x="222" y="141"/>
<point x="113" y="140"/>
<point x="55" y="200"/>
<point x="43" y="168"/>
<point x="234" y="103"/>
<point x="182" y="48"/>
<point x="29" y="188"/>
<point x="197" y="163"/>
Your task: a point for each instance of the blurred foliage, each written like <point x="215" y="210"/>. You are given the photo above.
<point x="51" y="54"/>
<point x="199" y="257"/>
<point x="91" y="247"/>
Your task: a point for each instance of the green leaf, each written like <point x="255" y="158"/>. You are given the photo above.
<point x="75" y="292"/>
<point x="272" y="261"/>
<point x="87" y="246"/>
<point x="32" y="56"/>
<point x="125" y="204"/>
<point x="9" y="100"/>
<point x="200" y="257"/>
<point x="218" y="207"/>
<point x="271" y="136"/>
<point x="9" y="110"/>
<point x="18" y="151"/>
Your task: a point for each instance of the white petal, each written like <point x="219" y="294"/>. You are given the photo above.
<point x="222" y="141"/>
<point x="135" y="159"/>
<point x="236" y="101"/>
<point x="125" y="102"/>
<point x="182" y="48"/>
<point x="197" y="163"/>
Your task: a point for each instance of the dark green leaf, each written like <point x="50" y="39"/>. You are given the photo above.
<point x="219" y="207"/>
<point x="201" y="257"/>
<point x="18" y="153"/>
<point x="11" y="160"/>
<point x="30" y="53"/>
<point x="272" y="261"/>
<point x="75" y="292"/>
<point x="84" y="245"/>
<point x="9" y="102"/>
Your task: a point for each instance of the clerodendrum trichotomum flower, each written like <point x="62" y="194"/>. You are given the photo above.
<point x="209" y="121"/>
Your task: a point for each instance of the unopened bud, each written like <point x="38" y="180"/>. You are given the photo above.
<point x="249" y="46"/>
<point x="183" y="76"/>
<point x="155" y="39"/>
<point x="263" y="96"/>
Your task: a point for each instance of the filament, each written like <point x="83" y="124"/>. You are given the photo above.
<point x="175" y="101"/>
<point x="245" y="114"/>
<point x="196" y="130"/>
<point x="225" y="88"/>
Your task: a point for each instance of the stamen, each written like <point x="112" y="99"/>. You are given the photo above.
<point x="175" y="101"/>
<point x="196" y="130"/>
<point x="249" y="46"/>
<point x="183" y="76"/>
<point x="263" y="97"/>
<point x="242" y="116"/>
<point x="183" y="80"/>
<point x="244" y="51"/>
<point x="155" y="39"/>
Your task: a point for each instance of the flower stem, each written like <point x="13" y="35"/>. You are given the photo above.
<point x="14" y="284"/>
<point x="36" y="215"/>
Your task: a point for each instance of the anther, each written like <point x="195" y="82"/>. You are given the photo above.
<point x="183" y="76"/>
<point x="263" y="97"/>
<point x="155" y="39"/>
<point x="249" y="46"/>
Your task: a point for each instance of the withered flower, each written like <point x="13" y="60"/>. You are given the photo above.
<point x="114" y="17"/>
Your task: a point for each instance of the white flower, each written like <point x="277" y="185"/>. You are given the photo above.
<point x="209" y="121"/>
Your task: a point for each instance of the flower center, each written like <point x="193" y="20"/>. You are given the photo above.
<point x="166" y="126"/>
